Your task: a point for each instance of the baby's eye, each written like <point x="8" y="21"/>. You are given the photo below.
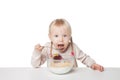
<point x="56" y="35"/>
<point x="65" y="35"/>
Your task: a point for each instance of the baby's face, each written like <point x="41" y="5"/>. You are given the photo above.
<point x="60" y="36"/>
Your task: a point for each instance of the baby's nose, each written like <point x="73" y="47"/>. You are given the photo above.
<point x="61" y="38"/>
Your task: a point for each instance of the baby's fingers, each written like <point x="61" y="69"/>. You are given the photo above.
<point x="38" y="47"/>
<point x="101" y="68"/>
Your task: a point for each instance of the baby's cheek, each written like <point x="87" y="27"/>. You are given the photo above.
<point x="54" y="40"/>
<point x="66" y="40"/>
<point x="55" y="43"/>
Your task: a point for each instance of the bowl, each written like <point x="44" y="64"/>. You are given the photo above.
<point x="60" y="66"/>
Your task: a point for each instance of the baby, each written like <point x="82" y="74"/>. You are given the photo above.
<point x="61" y="43"/>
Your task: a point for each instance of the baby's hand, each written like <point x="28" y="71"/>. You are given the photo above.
<point x="97" y="67"/>
<point x="38" y="47"/>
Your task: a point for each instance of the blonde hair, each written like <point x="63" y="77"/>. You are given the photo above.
<point x="58" y="23"/>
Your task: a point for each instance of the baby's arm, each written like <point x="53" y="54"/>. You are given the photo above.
<point x="37" y="57"/>
<point x="87" y="60"/>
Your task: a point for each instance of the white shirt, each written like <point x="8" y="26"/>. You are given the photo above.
<point x="38" y="58"/>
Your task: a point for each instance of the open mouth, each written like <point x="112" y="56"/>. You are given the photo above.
<point x="61" y="46"/>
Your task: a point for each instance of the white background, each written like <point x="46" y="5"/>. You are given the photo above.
<point x="24" y="23"/>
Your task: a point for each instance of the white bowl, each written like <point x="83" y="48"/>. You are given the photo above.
<point x="60" y="66"/>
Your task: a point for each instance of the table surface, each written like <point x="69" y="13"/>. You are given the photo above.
<point x="44" y="74"/>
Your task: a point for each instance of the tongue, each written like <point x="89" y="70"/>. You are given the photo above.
<point x="60" y="47"/>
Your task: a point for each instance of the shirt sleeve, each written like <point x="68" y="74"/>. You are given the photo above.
<point x="35" y="60"/>
<point x="84" y="58"/>
<point x="39" y="57"/>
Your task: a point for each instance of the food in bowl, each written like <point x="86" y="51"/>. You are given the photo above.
<point x="61" y="65"/>
<point x="57" y="57"/>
